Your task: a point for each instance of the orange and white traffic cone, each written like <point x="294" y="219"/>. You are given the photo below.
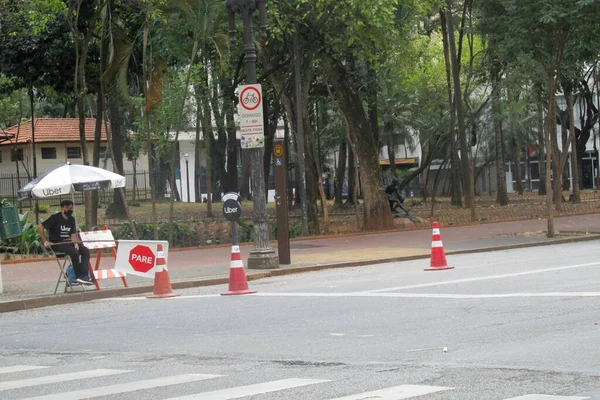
<point x="162" y="282"/>
<point x="238" y="284"/>
<point x="438" y="257"/>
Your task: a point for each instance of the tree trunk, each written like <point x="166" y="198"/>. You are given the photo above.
<point x="146" y="84"/>
<point x="219" y="145"/>
<point x="502" y="196"/>
<point x="574" y="159"/>
<point x="290" y="178"/>
<point x="540" y="150"/>
<point x="245" y="182"/>
<point x="311" y="163"/>
<point x="269" y="136"/>
<point x="232" y="152"/>
<point x="391" y="150"/>
<point x="175" y="156"/>
<point x="116" y="126"/>
<point x="550" y="131"/>
<point x="560" y="160"/>
<point x="372" y="101"/>
<point x="351" y="196"/>
<point x="455" y="185"/>
<point x="465" y="160"/>
<point x="207" y="132"/>
<point x="517" y="156"/>
<point x="377" y="214"/>
<point x="424" y="189"/>
<point x="197" y="153"/>
<point x="81" y="46"/>
<point x="340" y="173"/>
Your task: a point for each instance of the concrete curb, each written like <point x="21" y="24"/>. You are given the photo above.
<point x="70" y="298"/>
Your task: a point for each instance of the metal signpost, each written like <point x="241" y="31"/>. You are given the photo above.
<point x="262" y="256"/>
<point x="281" y="201"/>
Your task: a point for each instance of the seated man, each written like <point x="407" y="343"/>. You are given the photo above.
<point x="63" y="228"/>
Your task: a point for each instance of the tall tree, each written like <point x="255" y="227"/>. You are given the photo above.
<point x="465" y="150"/>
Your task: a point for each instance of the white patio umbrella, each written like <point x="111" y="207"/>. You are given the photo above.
<point x="68" y="179"/>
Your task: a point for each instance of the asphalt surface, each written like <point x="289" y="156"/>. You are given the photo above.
<point x="501" y="325"/>
<point x="31" y="284"/>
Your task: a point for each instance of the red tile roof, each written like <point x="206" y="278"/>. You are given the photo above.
<point x="53" y="130"/>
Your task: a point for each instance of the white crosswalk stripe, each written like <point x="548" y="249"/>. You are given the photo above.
<point x="23" y="383"/>
<point x="251" y="390"/>
<point x="19" y="368"/>
<point x="547" y="397"/>
<point x="400" y="392"/>
<point x="126" y="387"/>
<point x="396" y="393"/>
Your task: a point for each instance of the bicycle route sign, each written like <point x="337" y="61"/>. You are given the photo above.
<point x="252" y="127"/>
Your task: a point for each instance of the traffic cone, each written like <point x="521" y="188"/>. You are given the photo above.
<point x="238" y="284"/>
<point x="162" y="282"/>
<point x="438" y="257"/>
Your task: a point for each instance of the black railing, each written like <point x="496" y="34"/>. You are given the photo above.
<point x="137" y="188"/>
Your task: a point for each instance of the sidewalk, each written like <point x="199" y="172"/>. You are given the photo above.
<point x="30" y="285"/>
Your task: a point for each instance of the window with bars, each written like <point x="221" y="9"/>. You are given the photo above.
<point x="73" y="152"/>
<point x="48" y="153"/>
<point x="16" y="155"/>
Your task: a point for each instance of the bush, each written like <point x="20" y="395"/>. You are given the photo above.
<point x="183" y="234"/>
<point x="43" y="208"/>
<point x="245" y="231"/>
<point x="29" y="242"/>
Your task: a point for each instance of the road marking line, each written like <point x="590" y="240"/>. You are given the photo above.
<point x="59" y="378"/>
<point x="451" y="296"/>
<point x="251" y="390"/>
<point x="396" y="393"/>
<point x="547" y="397"/>
<point x="19" y="368"/>
<point x="434" y="295"/>
<point x="442" y="349"/>
<point x="483" y="278"/>
<point x="126" y="387"/>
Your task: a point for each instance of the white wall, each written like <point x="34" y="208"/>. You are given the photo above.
<point x="43" y="165"/>
<point x="186" y="146"/>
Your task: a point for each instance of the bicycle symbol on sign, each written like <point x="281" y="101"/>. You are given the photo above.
<point x="250" y="98"/>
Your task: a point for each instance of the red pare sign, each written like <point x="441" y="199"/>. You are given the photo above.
<point x="141" y="258"/>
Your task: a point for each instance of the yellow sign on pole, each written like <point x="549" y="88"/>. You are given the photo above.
<point x="278" y="150"/>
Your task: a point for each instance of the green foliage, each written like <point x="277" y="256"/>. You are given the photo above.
<point x="183" y="234"/>
<point x="43" y="208"/>
<point x="245" y="231"/>
<point x="29" y="242"/>
<point x="294" y="229"/>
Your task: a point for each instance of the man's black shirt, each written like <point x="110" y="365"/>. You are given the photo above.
<point x="60" y="229"/>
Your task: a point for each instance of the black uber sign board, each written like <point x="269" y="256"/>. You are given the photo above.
<point x="232" y="209"/>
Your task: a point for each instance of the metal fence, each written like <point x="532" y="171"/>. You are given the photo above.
<point x="137" y="189"/>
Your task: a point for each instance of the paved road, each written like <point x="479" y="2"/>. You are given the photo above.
<point x="519" y="324"/>
<point x="36" y="280"/>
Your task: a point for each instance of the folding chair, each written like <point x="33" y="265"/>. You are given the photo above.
<point x="63" y="260"/>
